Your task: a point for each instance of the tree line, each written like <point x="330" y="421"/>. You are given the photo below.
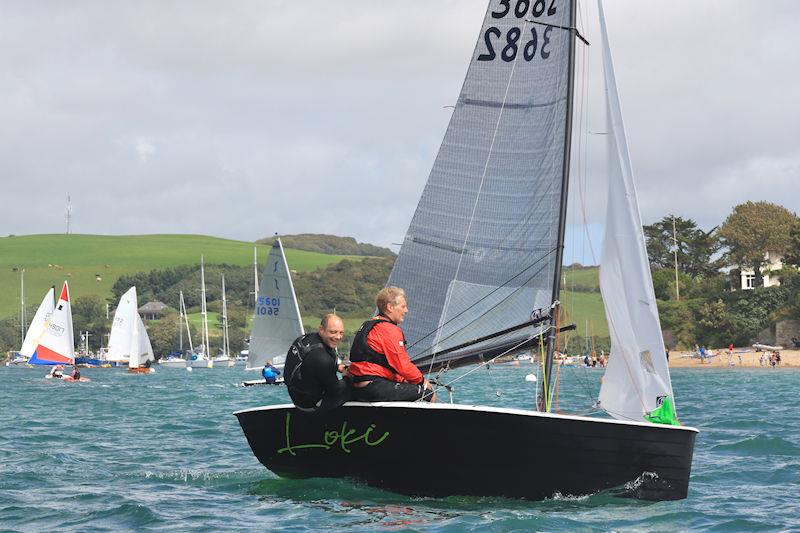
<point x="706" y="305"/>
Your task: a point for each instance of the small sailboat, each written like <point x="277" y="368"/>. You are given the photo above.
<point x="179" y="361"/>
<point x="224" y="359"/>
<point x="56" y="346"/>
<point x="276" y="319"/>
<point x="39" y="325"/>
<point x="129" y="342"/>
<point x="481" y="267"/>
<point x="202" y="359"/>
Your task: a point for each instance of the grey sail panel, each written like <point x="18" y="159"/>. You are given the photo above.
<point x="276" y="322"/>
<point x="479" y="254"/>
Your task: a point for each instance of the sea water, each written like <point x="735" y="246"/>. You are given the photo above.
<point x="164" y="452"/>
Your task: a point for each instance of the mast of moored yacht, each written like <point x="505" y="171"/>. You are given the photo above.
<point x="226" y="346"/>
<point x="543" y="400"/>
<point x="22" y="305"/>
<point x="204" y="310"/>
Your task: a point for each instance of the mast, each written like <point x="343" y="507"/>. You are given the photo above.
<point x="203" y="310"/>
<point x="22" y="304"/>
<point x="255" y="277"/>
<point x="544" y="391"/>
<point x="225" y="340"/>
<point x="185" y="317"/>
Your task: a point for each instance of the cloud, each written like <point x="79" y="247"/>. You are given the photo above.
<point x="326" y="117"/>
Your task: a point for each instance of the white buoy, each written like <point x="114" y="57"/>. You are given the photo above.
<point x="188" y="369"/>
<point x="530" y="377"/>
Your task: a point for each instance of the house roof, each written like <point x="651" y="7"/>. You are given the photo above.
<point x="153" y="307"/>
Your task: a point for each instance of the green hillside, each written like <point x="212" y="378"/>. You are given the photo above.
<point x="582" y="301"/>
<point x="50" y="259"/>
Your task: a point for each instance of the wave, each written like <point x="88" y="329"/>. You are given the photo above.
<point x="760" y="445"/>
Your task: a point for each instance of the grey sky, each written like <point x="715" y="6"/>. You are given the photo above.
<point x="240" y="119"/>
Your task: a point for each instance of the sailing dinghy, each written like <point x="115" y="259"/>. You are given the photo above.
<point x="56" y="346"/>
<point x="481" y="266"/>
<point x="276" y="319"/>
<point x="129" y="341"/>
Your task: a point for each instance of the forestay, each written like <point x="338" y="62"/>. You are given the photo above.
<point x="479" y="254"/>
<point x="277" y="318"/>
<point x="637" y="378"/>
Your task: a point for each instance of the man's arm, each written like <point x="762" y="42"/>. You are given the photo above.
<point x="390" y="338"/>
<point x="325" y="369"/>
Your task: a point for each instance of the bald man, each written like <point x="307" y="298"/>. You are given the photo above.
<point x="311" y="368"/>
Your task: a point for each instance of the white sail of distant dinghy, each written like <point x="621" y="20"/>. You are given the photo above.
<point x="123" y="328"/>
<point x="141" y="350"/>
<point x="276" y="322"/>
<point x="38" y="325"/>
<point x="202" y="359"/>
<point x="637" y="379"/>
<point x="57" y="345"/>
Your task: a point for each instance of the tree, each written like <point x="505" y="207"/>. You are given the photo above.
<point x="752" y="230"/>
<point x="792" y="255"/>
<point x="695" y="246"/>
<point x="89" y="314"/>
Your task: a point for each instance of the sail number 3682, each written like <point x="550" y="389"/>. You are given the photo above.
<point x="514" y="39"/>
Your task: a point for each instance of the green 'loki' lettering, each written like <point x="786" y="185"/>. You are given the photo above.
<point x="344" y="437"/>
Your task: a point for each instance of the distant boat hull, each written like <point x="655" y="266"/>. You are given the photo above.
<point x="172" y="363"/>
<point x="255" y="382"/>
<point x="390" y="445"/>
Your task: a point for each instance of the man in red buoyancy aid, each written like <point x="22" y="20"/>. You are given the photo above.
<point x="380" y="367"/>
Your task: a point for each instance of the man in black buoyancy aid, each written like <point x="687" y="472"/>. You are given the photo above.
<point x="311" y="366"/>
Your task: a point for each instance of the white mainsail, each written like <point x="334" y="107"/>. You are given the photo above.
<point x="637" y="377"/>
<point x="38" y="325"/>
<point x="277" y="321"/>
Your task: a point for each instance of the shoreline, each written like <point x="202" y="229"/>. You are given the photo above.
<point x="740" y="359"/>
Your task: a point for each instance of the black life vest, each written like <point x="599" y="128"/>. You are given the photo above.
<point x="360" y="352"/>
<point x="293" y="368"/>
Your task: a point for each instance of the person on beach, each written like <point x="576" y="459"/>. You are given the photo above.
<point x="380" y="367"/>
<point x="311" y="368"/>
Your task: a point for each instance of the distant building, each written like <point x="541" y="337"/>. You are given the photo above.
<point x="153" y="310"/>
<point x="772" y="263"/>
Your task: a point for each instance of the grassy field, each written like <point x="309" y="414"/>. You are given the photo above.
<point x="584" y="309"/>
<point x="50" y="259"/>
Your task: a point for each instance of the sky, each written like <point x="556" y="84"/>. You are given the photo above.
<point x="241" y="119"/>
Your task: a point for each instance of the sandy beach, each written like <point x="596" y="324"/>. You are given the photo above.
<point x="740" y="358"/>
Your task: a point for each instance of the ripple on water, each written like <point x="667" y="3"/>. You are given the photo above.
<point x="759" y="445"/>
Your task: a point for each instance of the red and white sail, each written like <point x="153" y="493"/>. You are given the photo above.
<point x="57" y="344"/>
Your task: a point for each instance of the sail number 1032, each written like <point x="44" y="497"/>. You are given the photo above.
<point x="514" y="39"/>
<point x="268" y="306"/>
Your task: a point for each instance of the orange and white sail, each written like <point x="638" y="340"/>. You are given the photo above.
<point x="57" y="344"/>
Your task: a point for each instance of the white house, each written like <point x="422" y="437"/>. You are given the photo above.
<point x="773" y="263"/>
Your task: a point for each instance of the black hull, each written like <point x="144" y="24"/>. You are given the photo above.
<point x="444" y="450"/>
